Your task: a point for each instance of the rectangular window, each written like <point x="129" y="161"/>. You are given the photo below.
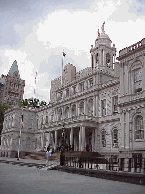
<point x="104" y="138"/>
<point x="67" y="93"/>
<point x="81" y="86"/>
<point x="46" y="119"/>
<point x="115" y="104"/>
<point x="103" y="104"/>
<point x="91" y="83"/>
<point x="74" y="89"/>
<point x="59" y="95"/>
<point x="41" y="122"/>
<point x="137" y="80"/>
<point x="37" y="123"/>
<point x="115" y="138"/>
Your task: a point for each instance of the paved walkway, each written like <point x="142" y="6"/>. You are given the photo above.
<point x="29" y="162"/>
<point x="18" y="179"/>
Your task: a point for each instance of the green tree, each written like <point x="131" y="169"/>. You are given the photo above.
<point x="31" y="102"/>
<point x="3" y="108"/>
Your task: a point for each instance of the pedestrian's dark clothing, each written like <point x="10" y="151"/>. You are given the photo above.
<point x="48" y="148"/>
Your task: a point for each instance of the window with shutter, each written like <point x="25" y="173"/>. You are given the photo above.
<point x="103" y="104"/>
<point x="139" y="128"/>
<point x="115" y="104"/>
<point x="115" y="138"/>
<point x="137" y="80"/>
<point x="104" y="138"/>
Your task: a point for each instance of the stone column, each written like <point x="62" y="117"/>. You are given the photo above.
<point x="70" y="111"/>
<point x="93" y="140"/>
<point x="76" y="108"/>
<point x="71" y="136"/>
<point x="55" y="147"/>
<point x="122" y="130"/>
<point x="126" y="79"/>
<point x="85" y="106"/>
<point x="97" y="105"/>
<point x="127" y="131"/>
<point x="49" y="136"/>
<point x="130" y="135"/>
<point x="104" y="58"/>
<point x="62" y="112"/>
<point x="42" y="141"/>
<point x="94" y="60"/>
<point x="97" y="149"/>
<point x="111" y="60"/>
<point x="83" y="138"/>
<point x="121" y="81"/>
<point x="94" y="106"/>
<point x="80" y="142"/>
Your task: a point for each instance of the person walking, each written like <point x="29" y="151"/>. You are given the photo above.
<point x="48" y="154"/>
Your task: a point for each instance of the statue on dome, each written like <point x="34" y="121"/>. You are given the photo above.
<point x="103" y="32"/>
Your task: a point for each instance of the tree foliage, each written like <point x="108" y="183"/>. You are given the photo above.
<point x="3" y="108"/>
<point x="31" y="102"/>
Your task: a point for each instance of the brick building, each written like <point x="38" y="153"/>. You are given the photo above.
<point x="11" y="86"/>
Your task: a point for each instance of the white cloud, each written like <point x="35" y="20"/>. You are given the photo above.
<point x="75" y="31"/>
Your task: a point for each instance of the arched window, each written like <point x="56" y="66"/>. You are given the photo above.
<point x="46" y="119"/>
<point x="90" y="107"/>
<point x="137" y="80"/>
<point x="139" y="129"/>
<point x="36" y="143"/>
<point x="108" y="60"/>
<point x="97" y="59"/>
<point x="67" y="112"/>
<point x="103" y="136"/>
<point x="60" y="114"/>
<point x="73" y="110"/>
<point x="81" y="107"/>
<point x="115" y="138"/>
<point x="52" y="115"/>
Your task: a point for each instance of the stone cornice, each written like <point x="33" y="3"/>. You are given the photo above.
<point x="73" y="120"/>
<point x="109" y="118"/>
<point x="93" y="90"/>
<point x="102" y="70"/>
<point x="132" y="99"/>
<point x="128" y="51"/>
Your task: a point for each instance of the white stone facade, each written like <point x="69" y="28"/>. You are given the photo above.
<point x="101" y="107"/>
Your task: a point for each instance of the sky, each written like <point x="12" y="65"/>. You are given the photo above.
<point x="34" y="32"/>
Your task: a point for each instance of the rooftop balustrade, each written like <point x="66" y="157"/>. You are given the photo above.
<point x="132" y="47"/>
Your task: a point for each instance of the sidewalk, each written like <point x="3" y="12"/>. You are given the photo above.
<point x="135" y="178"/>
<point x="28" y="162"/>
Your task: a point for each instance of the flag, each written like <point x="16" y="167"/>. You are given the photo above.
<point x="36" y="75"/>
<point x="98" y="33"/>
<point x="22" y="126"/>
<point x="63" y="54"/>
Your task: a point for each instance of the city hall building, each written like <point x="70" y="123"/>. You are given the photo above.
<point x="101" y="107"/>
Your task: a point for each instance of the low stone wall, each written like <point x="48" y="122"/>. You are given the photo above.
<point x="13" y="154"/>
<point x="134" y="178"/>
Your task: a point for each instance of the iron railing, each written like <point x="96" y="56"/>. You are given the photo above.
<point x="101" y="163"/>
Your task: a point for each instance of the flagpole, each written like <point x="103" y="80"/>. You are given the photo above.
<point x="62" y="70"/>
<point x="63" y="55"/>
<point x="35" y="85"/>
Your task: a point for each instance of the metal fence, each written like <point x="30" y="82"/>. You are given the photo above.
<point x="110" y="164"/>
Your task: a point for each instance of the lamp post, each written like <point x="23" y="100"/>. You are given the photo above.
<point x="62" y="155"/>
<point x="20" y="137"/>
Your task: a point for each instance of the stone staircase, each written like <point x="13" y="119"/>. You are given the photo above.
<point x="56" y="156"/>
<point x="41" y="156"/>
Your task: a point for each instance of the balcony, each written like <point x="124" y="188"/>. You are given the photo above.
<point x="73" y="119"/>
